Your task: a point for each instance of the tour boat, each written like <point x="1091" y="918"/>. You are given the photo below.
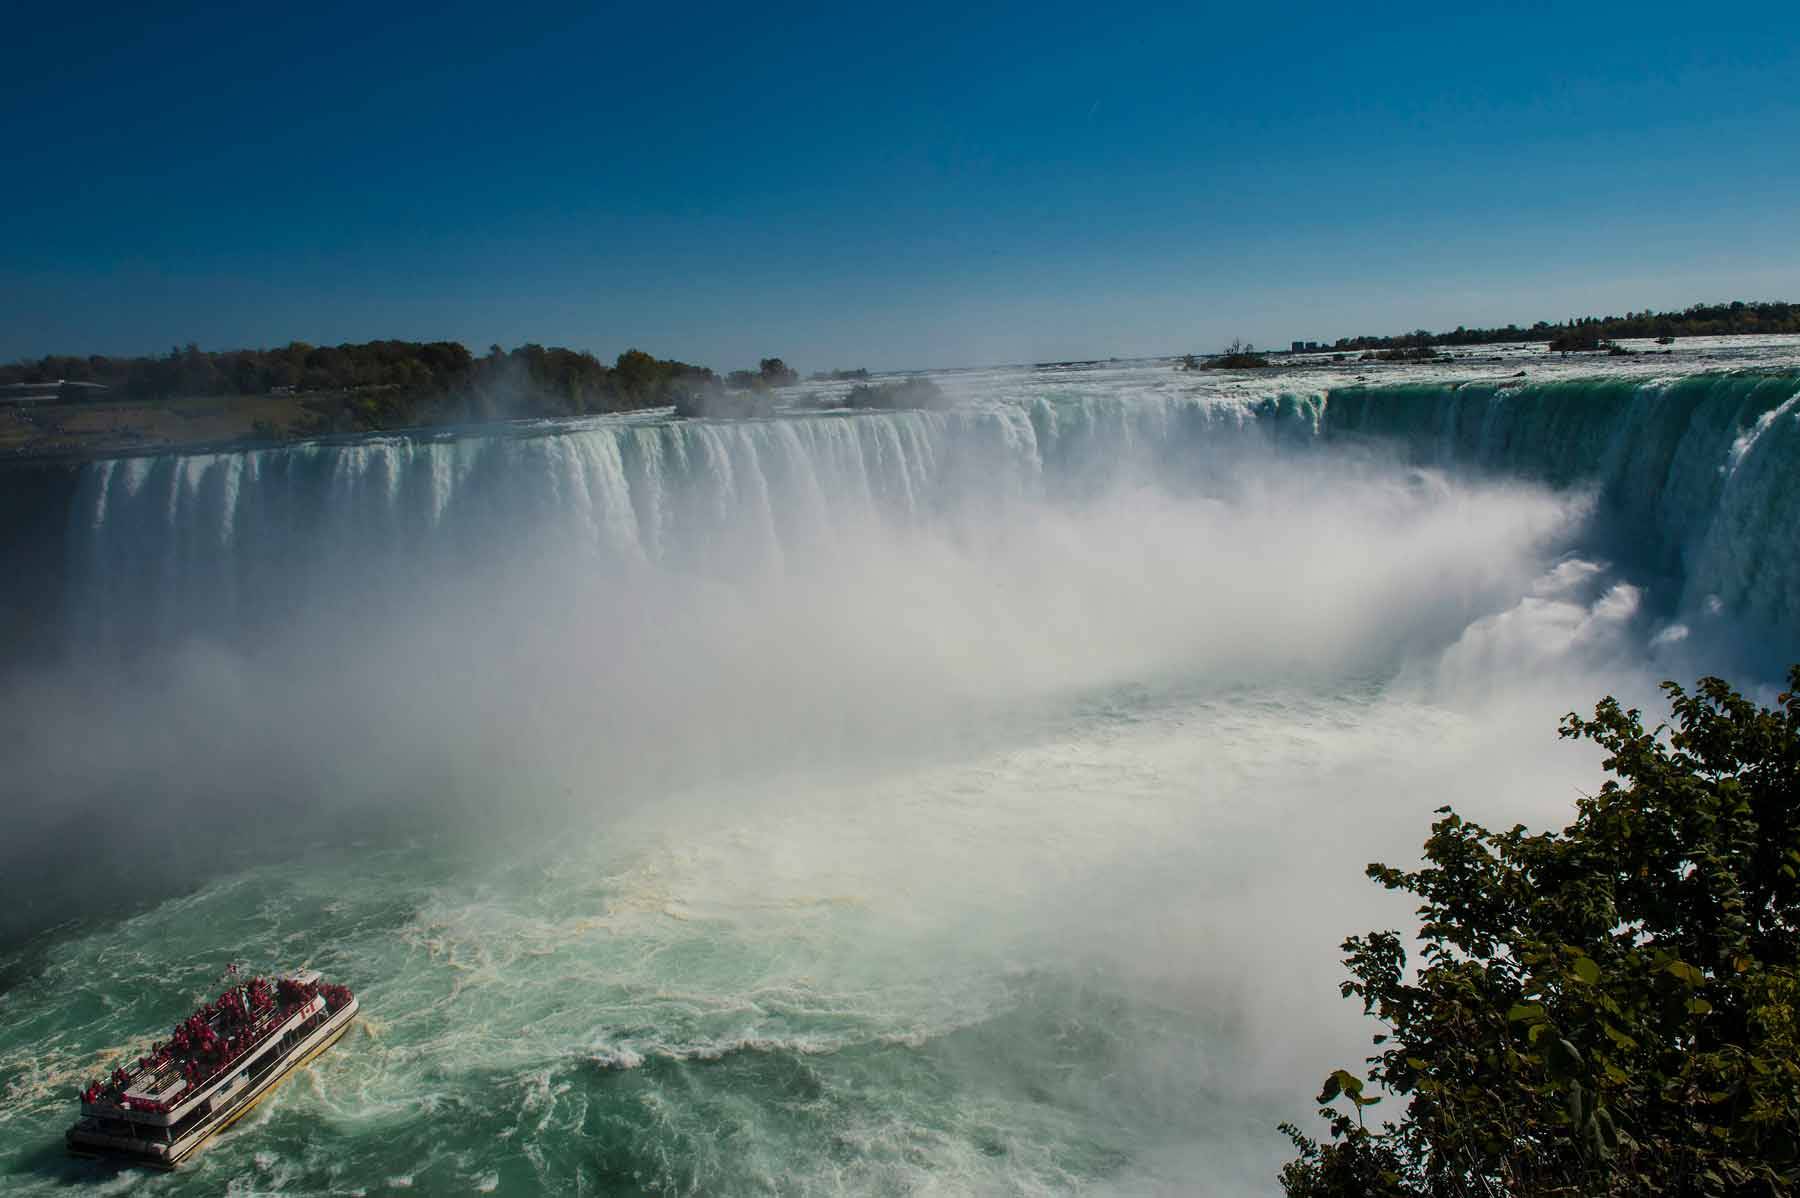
<point x="219" y="1063"/>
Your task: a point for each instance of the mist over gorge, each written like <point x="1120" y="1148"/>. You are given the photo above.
<point x="900" y="602"/>
<point x="884" y="779"/>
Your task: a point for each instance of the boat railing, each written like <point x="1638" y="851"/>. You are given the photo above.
<point x="162" y="1099"/>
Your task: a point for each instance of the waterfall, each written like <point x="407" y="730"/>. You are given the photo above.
<point x="1700" y="474"/>
<point x="221" y="541"/>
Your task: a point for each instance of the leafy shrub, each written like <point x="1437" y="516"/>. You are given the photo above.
<point x="1610" y="1009"/>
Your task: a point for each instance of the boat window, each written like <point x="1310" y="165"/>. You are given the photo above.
<point x="185" y="1124"/>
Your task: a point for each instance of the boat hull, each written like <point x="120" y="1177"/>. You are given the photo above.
<point x="90" y="1142"/>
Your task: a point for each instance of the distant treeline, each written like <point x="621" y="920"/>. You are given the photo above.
<point x="387" y="383"/>
<point x="1701" y="320"/>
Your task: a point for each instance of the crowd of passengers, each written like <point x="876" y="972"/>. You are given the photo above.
<point x="199" y="1049"/>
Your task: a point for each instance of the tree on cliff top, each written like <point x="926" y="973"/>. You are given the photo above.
<point x="1612" y="1009"/>
<point x="1239" y="355"/>
<point x="777" y="373"/>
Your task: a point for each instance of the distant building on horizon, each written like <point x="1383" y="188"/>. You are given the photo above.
<point x="1303" y="347"/>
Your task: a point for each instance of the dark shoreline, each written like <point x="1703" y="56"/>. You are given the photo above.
<point x="83" y="455"/>
<point x="294" y="417"/>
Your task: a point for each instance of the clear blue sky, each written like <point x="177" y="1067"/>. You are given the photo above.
<point x="889" y="186"/>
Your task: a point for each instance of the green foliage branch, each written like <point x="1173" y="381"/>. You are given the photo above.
<point x="1610" y="1009"/>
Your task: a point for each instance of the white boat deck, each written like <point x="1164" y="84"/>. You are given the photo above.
<point x="164" y="1085"/>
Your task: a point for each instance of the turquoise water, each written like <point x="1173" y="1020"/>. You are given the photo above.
<point x="922" y="981"/>
<point x="950" y="803"/>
